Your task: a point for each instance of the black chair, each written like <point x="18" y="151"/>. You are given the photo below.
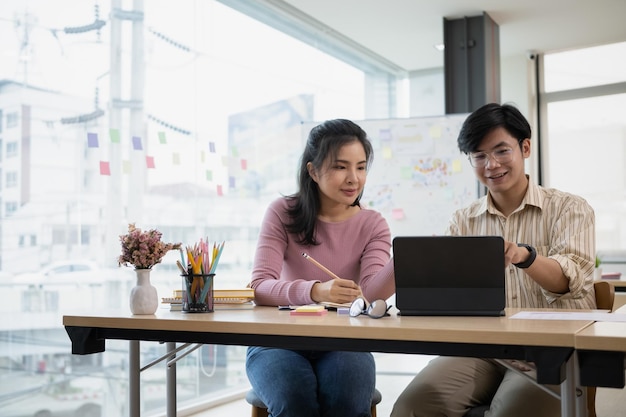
<point x="260" y="410"/>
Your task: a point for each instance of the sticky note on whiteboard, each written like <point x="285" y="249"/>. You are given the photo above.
<point x="397" y="214"/>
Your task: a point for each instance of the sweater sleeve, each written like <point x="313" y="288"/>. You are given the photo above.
<point x="269" y="258"/>
<point x="377" y="274"/>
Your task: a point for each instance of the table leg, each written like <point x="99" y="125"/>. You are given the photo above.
<point x="568" y="391"/>
<point x="581" y="392"/>
<point x="134" y="369"/>
<point x="170" y="380"/>
<point x="571" y="406"/>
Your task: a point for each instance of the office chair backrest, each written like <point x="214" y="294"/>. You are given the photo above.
<point x="605" y="295"/>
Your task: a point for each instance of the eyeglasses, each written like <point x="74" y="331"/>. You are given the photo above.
<point x="500" y="155"/>
<point x="375" y="310"/>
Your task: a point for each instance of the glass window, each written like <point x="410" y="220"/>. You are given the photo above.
<point x="11" y="179"/>
<point x="192" y="129"/>
<point x="586" y="146"/>
<point x="585" y="67"/>
<point x="11" y="149"/>
<point x="12" y="119"/>
<point x="10" y="207"/>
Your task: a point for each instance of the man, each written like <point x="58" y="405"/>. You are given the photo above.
<point x="549" y="260"/>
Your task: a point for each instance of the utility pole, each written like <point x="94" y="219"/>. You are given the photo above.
<point x="137" y="177"/>
<point x="116" y="207"/>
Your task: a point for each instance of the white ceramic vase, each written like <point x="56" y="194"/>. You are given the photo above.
<point x="143" y="296"/>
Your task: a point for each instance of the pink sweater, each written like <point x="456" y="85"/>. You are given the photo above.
<point x="357" y="249"/>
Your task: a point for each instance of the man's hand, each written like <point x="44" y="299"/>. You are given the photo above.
<point x="335" y="291"/>
<point x="514" y="254"/>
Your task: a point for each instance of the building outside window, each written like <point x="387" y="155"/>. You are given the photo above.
<point x="222" y="95"/>
<point x="217" y="137"/>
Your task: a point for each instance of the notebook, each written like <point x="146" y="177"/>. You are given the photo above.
<point x="449" y="275"/>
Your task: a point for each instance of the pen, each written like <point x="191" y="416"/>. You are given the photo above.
<point x="181" y="267"/>
<point x="319" y="265"/>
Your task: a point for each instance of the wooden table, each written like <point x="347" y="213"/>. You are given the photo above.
<point x="619" y="284"/>
<point x="601" y="350"/>
<point x="548" y="343"/>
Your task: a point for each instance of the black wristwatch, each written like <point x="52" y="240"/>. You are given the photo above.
<point x="531" y="258"/>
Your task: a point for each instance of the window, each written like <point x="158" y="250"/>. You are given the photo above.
<point x="11" y="149"/>
<point x="11" y="179"/>
<point x="587" y="67"/>
<point x="586" y="152"/>
<point x="12" y="119"/>
<point x="224" y="98"/>
<point x="24" y="239"/>
<point x="10" y="207"/>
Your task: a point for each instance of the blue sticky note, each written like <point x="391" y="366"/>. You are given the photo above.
<point x="137" y="143"/>
<point x="92" y="140"/>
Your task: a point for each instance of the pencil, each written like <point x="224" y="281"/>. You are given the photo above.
<point x="319" y="265"/>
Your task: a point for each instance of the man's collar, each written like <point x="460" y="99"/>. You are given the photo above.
<point x="532" y="198"/>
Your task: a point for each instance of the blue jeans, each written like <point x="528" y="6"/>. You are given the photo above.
<point x="307" y="383"/>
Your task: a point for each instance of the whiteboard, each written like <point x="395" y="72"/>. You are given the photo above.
<point x="418" y="177"/>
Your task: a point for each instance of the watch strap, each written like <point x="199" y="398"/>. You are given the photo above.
<point x="528" y="262"/>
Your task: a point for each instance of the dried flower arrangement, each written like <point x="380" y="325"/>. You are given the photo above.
<point x="142" y="249"/>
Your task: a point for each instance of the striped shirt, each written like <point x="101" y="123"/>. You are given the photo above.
<point x="559" y="225"/>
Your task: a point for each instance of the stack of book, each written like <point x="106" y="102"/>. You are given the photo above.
<point x="222" y="299"/>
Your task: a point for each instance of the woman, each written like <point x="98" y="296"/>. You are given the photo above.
<point x="323" y="218"/>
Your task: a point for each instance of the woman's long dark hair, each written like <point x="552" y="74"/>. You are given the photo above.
<point x="323" y="142"/>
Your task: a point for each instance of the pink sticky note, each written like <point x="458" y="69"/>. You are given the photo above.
<point x="150" y="161"/>
<point x="397" y="214"/>
<point x="105" y="169"/>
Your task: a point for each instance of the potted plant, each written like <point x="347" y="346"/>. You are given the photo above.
<point x="597" y="273"/>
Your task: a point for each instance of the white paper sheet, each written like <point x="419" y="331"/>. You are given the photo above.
<point x="570" y="315"/>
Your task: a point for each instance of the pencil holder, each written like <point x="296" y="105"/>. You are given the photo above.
<point x="198" y="293"/>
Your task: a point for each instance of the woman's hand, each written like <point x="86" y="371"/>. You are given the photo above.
<point x="335" y="291"/>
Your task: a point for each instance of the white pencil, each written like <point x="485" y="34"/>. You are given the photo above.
<point x="319" y="265"/>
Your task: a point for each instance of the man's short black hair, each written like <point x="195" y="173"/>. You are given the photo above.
<point x="488" y="117"/>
